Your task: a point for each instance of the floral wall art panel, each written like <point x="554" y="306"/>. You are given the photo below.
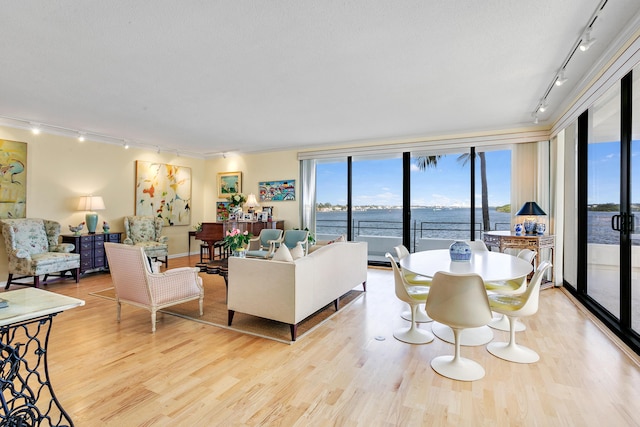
<point x="13" y="179"/>
<point x="277" y="191"/>
<point x="164" y="191"/>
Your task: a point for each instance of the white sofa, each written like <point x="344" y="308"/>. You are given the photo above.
<point x="290" y="292"/>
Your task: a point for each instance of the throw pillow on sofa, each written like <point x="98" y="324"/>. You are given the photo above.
<point x="298" y="251"/>
<point x="283" y="254"/>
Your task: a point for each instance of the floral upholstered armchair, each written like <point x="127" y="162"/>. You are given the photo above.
<point x="33" y="250"/>
<point x="145" y="232"/>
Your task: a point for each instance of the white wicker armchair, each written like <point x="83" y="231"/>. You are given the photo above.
<point x="135" y="284"/>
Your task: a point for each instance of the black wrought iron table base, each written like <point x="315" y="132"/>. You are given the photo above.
<point x="27" y="397"/>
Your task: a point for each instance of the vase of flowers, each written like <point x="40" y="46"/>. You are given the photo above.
<point x="236" y="241"/>
<point x="105" y="226"/>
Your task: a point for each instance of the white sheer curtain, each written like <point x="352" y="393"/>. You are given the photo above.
<point x="308" y="194"/>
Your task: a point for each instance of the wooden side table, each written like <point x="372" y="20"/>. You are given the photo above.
<point x="535" y="242"/>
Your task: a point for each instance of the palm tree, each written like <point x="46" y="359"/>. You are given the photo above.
<point x="423" y="162"/>
<point x="464" y="159"/>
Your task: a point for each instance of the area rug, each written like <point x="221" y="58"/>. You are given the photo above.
<point x="215" y="313"/>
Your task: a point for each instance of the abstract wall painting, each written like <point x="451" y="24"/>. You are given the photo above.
<point x="277" y="191"/>
<point x="164" y="191"/>
<point x="13" y="179"/>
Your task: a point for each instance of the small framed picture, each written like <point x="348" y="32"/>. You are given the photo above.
<point x="268" y="210"/>
<point x="222" y="211"/>
<point x="263" y="216"/>
<point x="229" y="183"/>
<point x="247" y="216"/>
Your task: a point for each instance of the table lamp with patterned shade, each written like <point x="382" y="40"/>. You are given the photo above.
<point x="530" y="210"/>
<point x="90" y="204"/>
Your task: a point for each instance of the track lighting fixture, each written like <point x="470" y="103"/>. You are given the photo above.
<point x="587" y="41"/>
<point x="37" y="127"/>
<point x="561" y="79"/>
<point x="543" y="106"/>
<point x="535" y="119"/>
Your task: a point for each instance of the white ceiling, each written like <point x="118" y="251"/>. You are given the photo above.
<point x="207" y="77"/>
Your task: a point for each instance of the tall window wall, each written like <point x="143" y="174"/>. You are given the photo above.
<point x="602" y="190"/>
<point x="440" y="199"/>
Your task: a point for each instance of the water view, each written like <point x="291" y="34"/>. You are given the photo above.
<point x="441" y="222"/>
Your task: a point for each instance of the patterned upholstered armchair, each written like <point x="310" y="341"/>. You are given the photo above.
<point x="145" y="232"/>
<point x="33" y="250"/>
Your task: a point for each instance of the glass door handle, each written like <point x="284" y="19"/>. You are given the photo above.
<point x="615" y="222"/>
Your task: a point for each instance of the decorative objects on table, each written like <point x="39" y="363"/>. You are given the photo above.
<point x="277" y="191"/>
<point x="229" y="183"/>
<point x="90" y="204"/>
<point x="164" y="191"/>
<point x="460" y="251"/>
<point x="105" y="226"/>
<point x="77" y="229"/>
<point x="235" y="240"/>
<point x="235" y="205"/>
<point x="13" y="179"/>
<point x="540" y="228"/>
<point x="530" y="210"/>
<point x="518" y="229"/>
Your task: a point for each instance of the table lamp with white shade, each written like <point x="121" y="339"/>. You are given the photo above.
<point x="90" y="204"/>
<point x="251" y="203"/>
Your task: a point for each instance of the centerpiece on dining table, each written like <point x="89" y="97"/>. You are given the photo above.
<point x="460" y="251"/>
<point x="237" y="241"/>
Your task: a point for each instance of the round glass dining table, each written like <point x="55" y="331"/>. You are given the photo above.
<point x="491" y="266"/>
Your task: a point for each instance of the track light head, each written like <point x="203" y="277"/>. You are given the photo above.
<point x="561" y="79"/>
<point x="535" y="119"/>
<point x="587" y="41"/>
<point x="543" y="106"/>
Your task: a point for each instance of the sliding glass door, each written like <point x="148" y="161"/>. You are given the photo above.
<point x="604" y="219"/>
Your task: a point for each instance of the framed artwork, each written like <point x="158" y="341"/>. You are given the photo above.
<point x="222" y="211"/>
<point x="247" y="216"/>
<point x="229" y="183"/>
<point x="163" y="191"/>
<point x="277" y="191"/>
<point x="13" y="179"/>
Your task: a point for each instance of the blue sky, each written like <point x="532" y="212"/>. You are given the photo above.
<point x="379" y="182"/>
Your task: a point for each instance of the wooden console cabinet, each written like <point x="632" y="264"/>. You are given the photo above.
<point x="91" y="248"/>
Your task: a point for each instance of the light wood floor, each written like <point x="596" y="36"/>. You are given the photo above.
<point x="190" y="374"/>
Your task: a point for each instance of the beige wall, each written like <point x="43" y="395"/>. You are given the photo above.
<point x="61" y="169"/>
<point x="282" y="165"/>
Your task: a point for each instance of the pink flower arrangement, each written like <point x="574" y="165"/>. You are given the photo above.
<point x="235" y="239"/>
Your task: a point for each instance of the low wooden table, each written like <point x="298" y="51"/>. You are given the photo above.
<point x="220" y="267"/>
